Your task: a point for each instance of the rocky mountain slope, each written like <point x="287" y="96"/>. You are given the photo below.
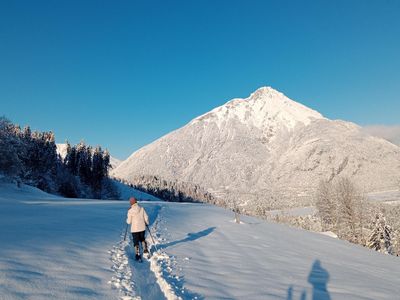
<point x="267" y="148"/>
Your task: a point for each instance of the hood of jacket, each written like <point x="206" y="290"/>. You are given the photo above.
<point x="135" y="209"/>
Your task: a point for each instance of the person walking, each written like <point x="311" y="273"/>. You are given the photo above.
<point x="138" y="219"/>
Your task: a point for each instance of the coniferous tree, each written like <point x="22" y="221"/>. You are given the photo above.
<point x="68" y="149"/>
<point x="87" y="170"/>
<point x="71" y="160"/>
<point x="10" y="163"/>
<point x="106" y="163"/>
<point x="381" y="236"/>
<point x="68" y="184"/>
<point x="82" y="161"/>
<point x="97" y="169"/>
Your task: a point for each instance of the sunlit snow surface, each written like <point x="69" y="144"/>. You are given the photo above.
<point x="56" y="248"/>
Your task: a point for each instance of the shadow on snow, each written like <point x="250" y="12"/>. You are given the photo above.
<point x="318" y="278"/>
<point x="190" y="237"/>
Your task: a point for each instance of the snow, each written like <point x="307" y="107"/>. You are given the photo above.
<point x="391" y="196"/>
<point x="114" y="162"/>
<point x="265" y="108"/>
<point x="56" y="248"/>
<point x="294" y="212"/>
<point x="329" y="233"/>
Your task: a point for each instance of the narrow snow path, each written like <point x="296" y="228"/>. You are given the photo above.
<point x="122" y="278"/>
<point x="145" y="280"/>
<point x="141" y="280"/>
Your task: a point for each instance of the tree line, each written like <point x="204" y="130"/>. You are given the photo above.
<point x="31" y="158"/>
<point x="171" y="190"/>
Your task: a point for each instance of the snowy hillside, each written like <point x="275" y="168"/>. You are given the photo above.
<point x="62" y="151"/>
<point x="267" y="145"/>
<point x="56" y="248"/>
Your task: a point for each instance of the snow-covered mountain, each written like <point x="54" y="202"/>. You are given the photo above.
<point x="114" y="162"/>
<point x="267" y="145"/>
<point x="62" y="151"/>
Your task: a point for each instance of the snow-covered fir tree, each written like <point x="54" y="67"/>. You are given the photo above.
<point x="97" y="169"/>
<point x="381" y="237"/>
<point x="10" y="163"/>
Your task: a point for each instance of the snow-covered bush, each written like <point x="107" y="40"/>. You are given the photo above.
<point x="341" y="209"/>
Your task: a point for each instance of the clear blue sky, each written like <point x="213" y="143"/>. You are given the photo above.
<point x="123" y="73"/>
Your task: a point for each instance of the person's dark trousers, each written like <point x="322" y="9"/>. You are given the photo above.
<point x="139" y="237"/>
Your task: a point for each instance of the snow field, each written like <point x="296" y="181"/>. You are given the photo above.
<point x="216" y="258"/>
<point x="56" y="248"/>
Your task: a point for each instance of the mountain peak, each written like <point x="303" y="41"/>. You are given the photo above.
<point x="264" y="108"/>
<point x="265" y="91"/>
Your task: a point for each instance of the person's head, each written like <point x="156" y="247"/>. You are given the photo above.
<point x="132" y="200"/>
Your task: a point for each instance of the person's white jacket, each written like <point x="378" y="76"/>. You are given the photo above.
<point x="138" y="218"/>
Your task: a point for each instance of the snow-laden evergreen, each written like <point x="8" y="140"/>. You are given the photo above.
<point x="381" y="238"/>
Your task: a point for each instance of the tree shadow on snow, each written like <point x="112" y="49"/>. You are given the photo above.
<point x="190" y="237"/>
<point x="318" y="278"/>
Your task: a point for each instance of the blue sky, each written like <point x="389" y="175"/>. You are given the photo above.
<point x="123" y="73"/>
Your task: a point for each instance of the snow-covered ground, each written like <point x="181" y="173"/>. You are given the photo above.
<point x="294" y="212"/>
<point x="390" y="197"/>
<point x="56" y="248"/>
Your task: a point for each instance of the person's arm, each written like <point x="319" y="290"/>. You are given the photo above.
<point x="128" y="218"/>
<point x="146" y="217"/>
